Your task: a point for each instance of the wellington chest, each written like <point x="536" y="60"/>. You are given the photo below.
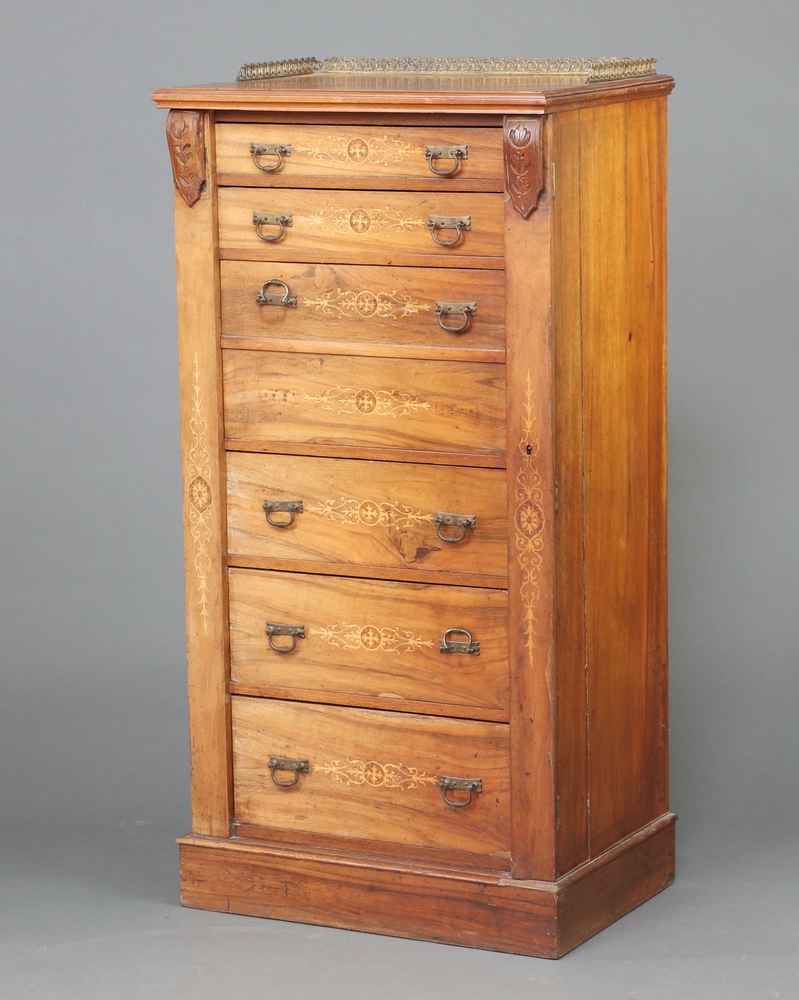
<point x="422" y="314"/>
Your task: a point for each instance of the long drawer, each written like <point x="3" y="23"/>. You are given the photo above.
<point x="340" y="225"/>
<point x="356" y="305"/>
<point x="369" y="639"/>
<point x="367" y="514"/>
<point x="370" y="775"/>
<point x="439" y="406"/>
<point x="318" y="155"/>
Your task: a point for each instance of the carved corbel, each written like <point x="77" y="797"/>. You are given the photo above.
<point x="186" y="140"/>
<point x="524" y="163"/>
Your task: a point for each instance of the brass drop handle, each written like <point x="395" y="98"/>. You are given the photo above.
<point x="290" y="507"/>
<point x="464" y="309"/>
<point x="461" y="522"/>
<point x="460" y="223"/>
<point x="297" y="767"/>
<point x="272" y="219"/>
<point x="265" y="298"/>
<point x="456" y="153"/>
<point x="447" y="645"/>
<point x="294" y="632"/>
<point x="278" y="149"/>
<point x="468" y="785"/>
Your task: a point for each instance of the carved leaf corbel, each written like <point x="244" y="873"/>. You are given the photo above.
<point x="524" y="163"/>
<point x="184" y="135"/>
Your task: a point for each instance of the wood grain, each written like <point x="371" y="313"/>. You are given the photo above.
<point x="524" y="162"/>
<point x="622" y="151"/>
<point x="320" y="568"/>
<point x="185" y="136"/>
<point x="499" y="95"/>
<point x="389" y="157"/>
<point x="471" y="459"/>
<point x="371" y="774"/>
<point x="370" y="514"/>
<point x="385" y="308"/>
<point x="472" y="909"/>
<point x="369" y="639"/>
<point x="348" y="225"/>
<point x="530" y="543"/>
<point x="571" y="729"/>
<point x="276" y="252"/>
<point x="204" y="510"/>
<point x="364" y="402"/>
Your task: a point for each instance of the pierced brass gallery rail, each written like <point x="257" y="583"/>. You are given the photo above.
<point x="592" y="69"/>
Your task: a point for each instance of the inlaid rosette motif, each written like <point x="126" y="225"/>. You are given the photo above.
<point x="372" y="638"/>
<point x="199" y="495"/>
<point x="360" y="221"/>
<point x="370" y="772"/>
<point x="365" y="304"/>
<point x="383" y="402"/>
<point x="382" y="150"/>
<point x="371" y="513"/>
<point x="528" y="536"/>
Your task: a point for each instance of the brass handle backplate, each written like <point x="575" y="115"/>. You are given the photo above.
<point x="447" y="645"/>
<point x="294" y="632"/>
<point x="265" y="298"/>
<point x="464" y="309"/>
<point x="456" y="153"/>
<point x="272" y="219"/>
<point x="462" y="522"/>
<point x="290" y="507"/>
<point x="278" y="149"/>
<point x="297" y="767"/>
<point x="468" y="785"/>
<point x="460" y="223"/>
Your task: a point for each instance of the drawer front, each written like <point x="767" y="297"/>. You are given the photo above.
<point x="353" y="305"/>
<point x="369" y="638"/>
<point x="375" y="514"/>
<point x="359" y="222"/>
<point x="371" y="775"/>
<point x="440" y="406"/>
<point x="385" y="156"/>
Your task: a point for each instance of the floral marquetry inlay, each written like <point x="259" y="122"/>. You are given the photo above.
<point x="360" y="221"/>
<point x="365" y="304"/>
<point x="381" y="150"/>
<point x="372" y="513"/>
<point x="529" y="541"/>
<point x="372" y="638"/>
<point x="383" y="402"/>
<point x="370" y="772"/>
<point x="199" y="495"/>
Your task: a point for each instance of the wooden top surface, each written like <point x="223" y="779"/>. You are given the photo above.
<point x="448" y="92"/>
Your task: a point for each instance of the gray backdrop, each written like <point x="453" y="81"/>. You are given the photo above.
<point x="92" y="718"/>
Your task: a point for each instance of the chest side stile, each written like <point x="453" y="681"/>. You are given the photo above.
<point x="191" y="140"/>
<point x="530" y="496"/>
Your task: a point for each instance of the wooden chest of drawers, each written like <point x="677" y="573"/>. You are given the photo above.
<point x="422" y="331"/>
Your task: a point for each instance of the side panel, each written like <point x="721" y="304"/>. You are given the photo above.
<point x="622" y="213"/>
<point x="204" y="499"/>
<point x="572" y="704"/>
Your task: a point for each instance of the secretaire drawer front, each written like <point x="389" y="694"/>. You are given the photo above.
<point x="440" y="406"/>
<point x="352" y="305"/>
<point x="369" y="638"/>
<point x="276" y="155"/>
<point x="370" y="775"/>
<point x="371" y="514"/>
<point x="278" y="221"/>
